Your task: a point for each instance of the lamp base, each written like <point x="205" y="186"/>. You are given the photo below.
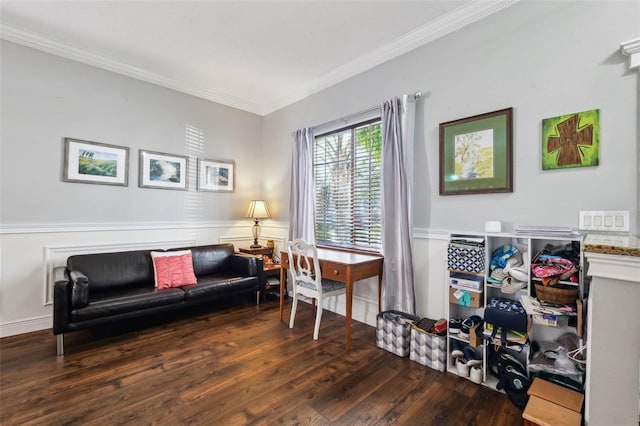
<point x="256" y="233"/>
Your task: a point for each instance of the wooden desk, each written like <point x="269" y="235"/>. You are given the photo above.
<point x="340" y="266"/>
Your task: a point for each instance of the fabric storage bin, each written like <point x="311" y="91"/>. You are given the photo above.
<point x="393" y="331"/>
<point x="465" y="258"/>
<point x="426" y="348"/>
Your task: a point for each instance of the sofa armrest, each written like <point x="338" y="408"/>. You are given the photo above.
<point x="79" y="289"/>
<point x="249" y="266"/>
<point x="61" y="299"/>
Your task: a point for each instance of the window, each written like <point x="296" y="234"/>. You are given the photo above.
<point x="346" y="167"/>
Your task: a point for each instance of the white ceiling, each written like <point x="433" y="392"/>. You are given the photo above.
<point x="258" y="56"/>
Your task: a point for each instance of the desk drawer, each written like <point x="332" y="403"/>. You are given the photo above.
<point x="333" y="271"/>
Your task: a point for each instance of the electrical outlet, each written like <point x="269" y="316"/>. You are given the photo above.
<point x="610" y="221"/>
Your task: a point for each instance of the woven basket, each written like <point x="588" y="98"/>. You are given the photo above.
<point x="563" y="295"/>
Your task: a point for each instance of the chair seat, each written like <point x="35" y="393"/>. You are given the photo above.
<point x="328" y="286"/>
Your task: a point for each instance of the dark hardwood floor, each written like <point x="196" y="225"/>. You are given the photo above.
<point x="235" y="364"/>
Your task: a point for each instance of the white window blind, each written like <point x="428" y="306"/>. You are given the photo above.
<point x="347" y="178"/>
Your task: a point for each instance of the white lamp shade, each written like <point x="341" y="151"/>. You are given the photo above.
<point x="258" y="210"/>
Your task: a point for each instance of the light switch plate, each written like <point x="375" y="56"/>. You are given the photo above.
<point x="602" y="220"/>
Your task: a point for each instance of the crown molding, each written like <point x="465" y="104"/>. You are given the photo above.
<point x="631" y="48"/>
<point x="69" y="51"/>
<point x="452" y="21"/>
<point x="427" y="33"/>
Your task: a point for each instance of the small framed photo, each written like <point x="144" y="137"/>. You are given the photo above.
<point x="476" y="154"/>
<point x="93" y="162"/>
<point x="216" y="175"/>
<point x="163" y="171"/>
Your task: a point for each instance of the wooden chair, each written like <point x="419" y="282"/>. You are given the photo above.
<point x="308" y="281"/>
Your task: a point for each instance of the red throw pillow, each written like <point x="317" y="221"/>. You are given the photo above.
<point x="173" y="268"/>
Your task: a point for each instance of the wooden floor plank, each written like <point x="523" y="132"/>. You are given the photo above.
<point x="232" y="363"/>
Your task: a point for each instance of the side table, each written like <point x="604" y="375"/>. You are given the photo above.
<point x="265" y="251"/>
<point x="272" y="279"/>
<point x="270" y="269"/>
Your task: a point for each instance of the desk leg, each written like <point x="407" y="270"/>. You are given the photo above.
<point x="283" y="283"/>
<point x="349" y="301"/>
<point x="380" y="293"/>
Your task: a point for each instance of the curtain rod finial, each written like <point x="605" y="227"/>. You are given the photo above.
<point x="417" y="95"/>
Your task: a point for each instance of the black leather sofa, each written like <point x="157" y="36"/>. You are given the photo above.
<point x="98" y="289"/>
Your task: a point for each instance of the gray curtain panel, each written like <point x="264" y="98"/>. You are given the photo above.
<point x="302" y="203"/>
<point x="398" y="125"/>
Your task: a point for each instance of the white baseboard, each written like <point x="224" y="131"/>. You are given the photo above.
<point x="26" y="326"/>
<point x="366" y="315"/>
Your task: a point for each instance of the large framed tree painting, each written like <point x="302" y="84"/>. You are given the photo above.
<point x="571" y="140"/>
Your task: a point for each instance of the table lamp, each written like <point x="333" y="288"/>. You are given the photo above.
<point x="257" y="210"/>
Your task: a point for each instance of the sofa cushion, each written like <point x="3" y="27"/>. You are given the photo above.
<point x="212" y="259"/>
<point x="173" y="269"/>
<point x="118" y="301"/>
<point x="109" y="270"/>
<point x="211" y="286"/>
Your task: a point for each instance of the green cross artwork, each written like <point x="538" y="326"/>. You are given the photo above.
<point x="571" y="140"/>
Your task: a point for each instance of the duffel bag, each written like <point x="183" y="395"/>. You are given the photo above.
<point x="505" y="314"/>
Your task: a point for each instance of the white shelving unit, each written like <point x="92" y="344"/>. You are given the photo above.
<point x="528" y="245"/>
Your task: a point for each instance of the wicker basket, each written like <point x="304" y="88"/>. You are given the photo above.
<point x="563" y="295"/>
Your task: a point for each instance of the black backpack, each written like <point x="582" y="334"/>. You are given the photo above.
<point x="512" y="376"/>
<point x="505" y="314"/>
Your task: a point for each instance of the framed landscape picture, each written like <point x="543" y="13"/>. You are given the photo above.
<point x="163" y="171"/>
<point x="216" y="175"/>
<point x="93" y="162"/>
<point x="476" y="154"/>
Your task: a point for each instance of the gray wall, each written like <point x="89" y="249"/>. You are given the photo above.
<point x="544" y="59"/>
<point x="44" y="220"/>
<point x="46" y="98"/>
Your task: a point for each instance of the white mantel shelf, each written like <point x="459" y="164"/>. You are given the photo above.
<point x="631" y="48"/>
<point x="613" y="353"/>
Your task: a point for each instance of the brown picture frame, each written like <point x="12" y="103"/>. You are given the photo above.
<point x="476" y="154"/>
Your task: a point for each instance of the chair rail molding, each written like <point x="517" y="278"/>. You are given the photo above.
<point x="631" y="48"/>
<point x="45" y="228"/>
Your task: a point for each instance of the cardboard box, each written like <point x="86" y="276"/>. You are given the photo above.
<point x="465" y="297"/>
<point x="551" y="404"/>
<point x="557" y="394"/>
